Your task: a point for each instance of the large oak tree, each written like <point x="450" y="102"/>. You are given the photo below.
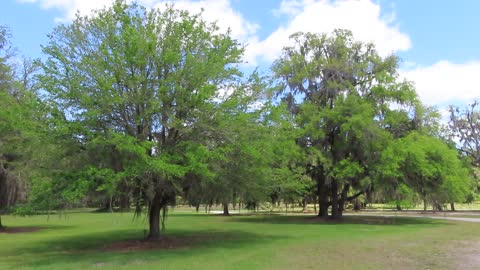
<point x="342" y="93"/>
<point x="138" y="86"/>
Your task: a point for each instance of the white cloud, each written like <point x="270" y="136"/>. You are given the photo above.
<point x="445" y="83"/>
<point x="363" y="17"/>
<point x="70" y="7"/>
<point x="290" y="8"/>
<point x="220" y="11"/>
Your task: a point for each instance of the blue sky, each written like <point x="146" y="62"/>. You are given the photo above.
<point x="437" y="40"/>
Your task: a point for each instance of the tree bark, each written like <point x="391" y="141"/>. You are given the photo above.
<point x="335" y="202"/>
<point x="154" y="217"/>
<point x="437" y="206"/>
<point x="452" y="207"/>
<point x="124" y="202"/>
<point x="323" y="210"/>
<point x="163" y="217"/>
<point x="225" y="209"/>
<point x="343" y="199"/>
<point x="357" y="206"/>
<point x="110" y="204"/>
<point x="106" y="205"/>
<point x="322" y="197"/>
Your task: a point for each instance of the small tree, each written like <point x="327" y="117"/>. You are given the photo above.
<point x="428" y="166"/>
<point x="465" y="126"/>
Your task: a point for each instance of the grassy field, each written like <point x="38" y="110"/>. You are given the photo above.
<point x="198" y="241"/>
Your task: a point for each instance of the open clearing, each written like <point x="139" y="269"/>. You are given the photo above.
<point x="198" y="241"/>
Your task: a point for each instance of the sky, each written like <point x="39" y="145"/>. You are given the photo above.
<point x="437" y="40"/>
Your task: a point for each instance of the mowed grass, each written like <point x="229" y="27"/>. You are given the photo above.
<point x="199" y="241"/>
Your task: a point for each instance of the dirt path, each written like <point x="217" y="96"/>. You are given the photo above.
<point x="444" y="216"/>
<point x="477" y="220"/>
<point x="465" y="254"/>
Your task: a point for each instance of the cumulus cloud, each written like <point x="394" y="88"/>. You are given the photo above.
<point x="439" y="84"/>
<point x="362" y="17"/>
<point x="70" y="7"/>
<point x="220" y="11"/>
<point x="445" y="82"/>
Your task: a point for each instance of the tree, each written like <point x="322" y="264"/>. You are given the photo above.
<point x="465" y="126"/>
<point x="341" y="92"/>
<point x="135" y="84"/>
<point x="18" y="115"/>
<point x="239" y="141"/>
<point x="430" y="167"/>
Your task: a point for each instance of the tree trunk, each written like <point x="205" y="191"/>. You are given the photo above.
<point x="110" y="204"/>
<point x="124" y="202"/>
<point x="197" y="207"/>
<point x="452" y="207"/>
<point x="437" y="206"/>
<point x="154" y="217"/>
<point x="304" y="205"/>
<point x="225" y="209"/>
<point x="1" y="225"/>
<point x="399" y="207"/>
<point x="425" y="205"/>
<point x="357" y="206"/>
<point x="323" y="210"/>
<point x="322" y="198"/>
<point x="335" y="202"/>
<point x="163" y="217"/>
<point x="342" y="200"/>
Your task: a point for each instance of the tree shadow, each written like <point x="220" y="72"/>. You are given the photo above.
<point x="345" y="220"/>
<point x="107" y="247"/>
<point x="32" y="228"/>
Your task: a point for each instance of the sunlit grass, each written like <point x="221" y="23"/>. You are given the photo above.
<point x="81" y="240"/>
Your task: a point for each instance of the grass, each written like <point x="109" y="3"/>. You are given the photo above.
<point x="81" y="240"/>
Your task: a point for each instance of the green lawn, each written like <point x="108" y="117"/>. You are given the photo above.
<point x="198" y="241"/>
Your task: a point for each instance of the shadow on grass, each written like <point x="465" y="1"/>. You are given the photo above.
<point x="32" y="228"/>
<point x="111" y="246"/>
<point x="364" y="219"/>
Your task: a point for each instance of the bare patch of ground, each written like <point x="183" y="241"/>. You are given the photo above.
<point x="466" y="255"/>
<point x="165" y="242"/>
<point x="10" y="230"/>
<point x="168" y="242"/>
